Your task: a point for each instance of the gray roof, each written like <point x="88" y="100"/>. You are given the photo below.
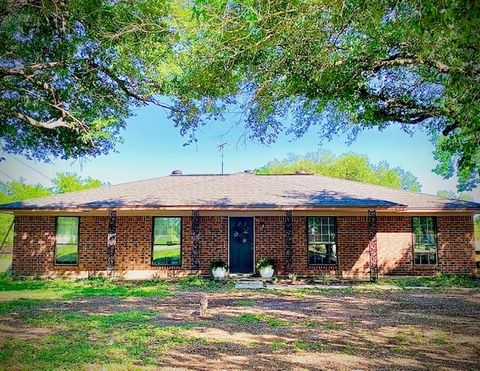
<point x="242" y="190"/>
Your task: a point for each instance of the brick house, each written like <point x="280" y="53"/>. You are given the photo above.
<point x="178" y="224"/>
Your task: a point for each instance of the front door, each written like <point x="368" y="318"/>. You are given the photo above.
<point x="241" y="245"/>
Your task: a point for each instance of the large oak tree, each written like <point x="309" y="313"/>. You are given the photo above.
<point x="72" y="71"/>
<point x="346" y="66"/>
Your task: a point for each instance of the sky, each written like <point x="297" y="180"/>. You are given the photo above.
<point x="153" y="147"/>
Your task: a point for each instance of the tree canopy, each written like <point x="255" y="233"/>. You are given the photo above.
<point x="19" y="190"/>
<point x="347" y="66"/>
<point x="349" y="166"/>
<point x="71" y="72"/>
<point x="452" y="195"/>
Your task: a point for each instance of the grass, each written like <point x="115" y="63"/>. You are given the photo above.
<point x="77" y="339"/>
<point x="408" y="336"/>
<point x="198" y="283"/>
<point x="349" y="349"/>
<point x="243" y="303"/>
<point x="278" y="345"/>
<point x="255" y="318"/>
<point x="439" y="281"/>
<point x="330" y="325"/>
<point x="125" y="335"/>
<point x="12" y="289"/>
<point x="441" y="338"/>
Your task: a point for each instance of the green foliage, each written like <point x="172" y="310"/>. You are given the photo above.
<point x="243" y="303"/>
<point x="218" y="264"/>
<point x="68" y="289"/>
<point x="330" y="325"/>
<point x="264" y="262"/>
<point x="308" y="346"/>
<point x="257" y="318"/>
<point x="349" y="349"/>
<point x="345" y="67"/>
<point x="195" y="282"/>
<point x="71" y="182"/>
<point x="349" y="166"/>
<point x="18" y="191"/>
<point x="440" y="281"/>
<point x="128" y="338"/>
<point x="453" y="195"/>
<point x="72" y="71"/>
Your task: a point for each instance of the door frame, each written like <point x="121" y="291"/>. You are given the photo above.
<point x="228" y="237"/>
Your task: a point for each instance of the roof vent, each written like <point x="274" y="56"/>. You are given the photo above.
<point x="248" y="171"/>
<point x="300" y="172"/>
<point x="177" y="172"/>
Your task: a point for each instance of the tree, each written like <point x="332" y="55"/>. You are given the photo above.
<point x="72" y="71"/>
<point x="453" y="195"/>
<point x="348" y="66"/>
<point x="349" y="166"/>
<point x="71" y="182"/>
<point x="18" y="190"/>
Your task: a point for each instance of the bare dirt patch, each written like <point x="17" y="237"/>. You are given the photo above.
<point x="263" y="330"/>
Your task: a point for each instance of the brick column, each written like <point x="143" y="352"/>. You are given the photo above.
<point x="288" y="241"/>
<point x="372" y="245"/>
<point x="112" y="239"/>
<point x="195" y="240"/>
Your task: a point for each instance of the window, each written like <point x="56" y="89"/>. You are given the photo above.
<point x="322" y="246"/>
<point x="66" y="246"/>
<point x="425" y="240"/>
<point x="167" y="236"/>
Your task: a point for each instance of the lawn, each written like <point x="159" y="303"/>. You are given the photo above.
<point x="99" y="323"/>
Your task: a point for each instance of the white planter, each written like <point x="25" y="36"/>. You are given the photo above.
<point x="266" y="272"/>
<point x="219" y="272"/>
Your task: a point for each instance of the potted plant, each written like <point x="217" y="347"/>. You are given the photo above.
<point x="219" y="269"/>
<point x="265" y="267"/>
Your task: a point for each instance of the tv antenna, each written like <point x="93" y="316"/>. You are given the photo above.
<point x="220" y="147"/>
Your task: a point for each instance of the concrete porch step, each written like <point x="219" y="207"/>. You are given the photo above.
<point x="249" y="284"/>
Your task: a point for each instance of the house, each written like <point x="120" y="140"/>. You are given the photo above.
<point x="177" y="224"/>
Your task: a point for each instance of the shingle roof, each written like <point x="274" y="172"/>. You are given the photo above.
<point x="242" y="190"/>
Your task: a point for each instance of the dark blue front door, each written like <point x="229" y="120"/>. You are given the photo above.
<point x="241" y="245"/>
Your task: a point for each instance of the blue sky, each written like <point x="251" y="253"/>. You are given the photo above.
<point x="153" y="147"/>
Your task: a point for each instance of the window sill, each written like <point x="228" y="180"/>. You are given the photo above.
<point x="60" y="265"/>
<point x="323" y="265"/>
<point x="168" y="266"/>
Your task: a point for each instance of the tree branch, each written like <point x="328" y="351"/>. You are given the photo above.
<point x="123" y="85"/>
<point x="26" y="70"/>
<point x="50" y="124"/>
<point x="408" y="60"/>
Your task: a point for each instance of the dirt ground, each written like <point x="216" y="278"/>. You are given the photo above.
<point x="409" y="329"/>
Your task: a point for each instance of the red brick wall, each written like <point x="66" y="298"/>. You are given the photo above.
<point x="270" y="240"/>
<point x="456" y="249"/>
<point x="134" y="246"/>
<point x="213" y="241"/>
<point x="454" y="246"/>
<point x="34" y="245"/>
